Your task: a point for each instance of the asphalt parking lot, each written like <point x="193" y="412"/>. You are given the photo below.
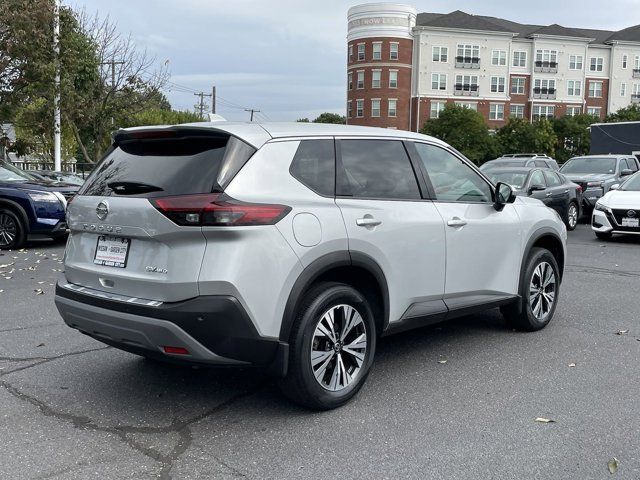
<point x="72" y="408"/>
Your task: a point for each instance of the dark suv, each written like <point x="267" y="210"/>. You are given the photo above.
<point x="30" y="207"/>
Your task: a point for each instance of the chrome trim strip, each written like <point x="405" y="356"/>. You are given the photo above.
<point x="111" y="296"/>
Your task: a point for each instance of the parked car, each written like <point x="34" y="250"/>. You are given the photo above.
<point x="30" y="208"/>
<point x="293" y="247"/>
<point x="618" y="211"/>
<point x="597" y="173"/>
<point x="54" y="176"/>
<point x="521" y="160"/>
<point x="552" y="188"/>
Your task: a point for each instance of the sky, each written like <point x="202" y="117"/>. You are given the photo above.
<point x="287" y="58"/>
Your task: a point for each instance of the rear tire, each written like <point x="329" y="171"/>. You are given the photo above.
<point x="332" y="346"/>
<point x="572" y="216"/>
<point x="539" y="293"/>
<point x="604" y="235"/>
<point x="12" y="231"/>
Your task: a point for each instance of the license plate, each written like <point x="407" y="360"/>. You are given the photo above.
<point x="631" y="222"/>
<point x="112" y="251"/>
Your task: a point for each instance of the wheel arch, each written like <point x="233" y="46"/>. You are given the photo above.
<point x="353" y="268"/>
<point x="18" y="210"/>
<point x="549" y="239"/>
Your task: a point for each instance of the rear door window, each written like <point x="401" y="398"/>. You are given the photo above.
<point x="171" y="163"/>
<point x="552" y="179"/>
<point x="537" y="178"/>
<point x="314" y="166"/>
<point x="632" y="164"/>
<point x="376" y="169"/>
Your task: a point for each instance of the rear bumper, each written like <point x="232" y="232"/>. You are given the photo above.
<point x="214" y="329"/>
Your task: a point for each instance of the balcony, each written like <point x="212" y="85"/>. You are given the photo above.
<point x="544" y="93"/>
<point x="636" y="73"/>
<point x="468" y="62"/>
<point x="545" y="67"/>
<point x="465" y="90"/>
<point x="635" y="98"/>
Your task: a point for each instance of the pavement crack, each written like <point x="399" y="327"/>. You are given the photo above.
<point x="605" y="271"/>
<point x="41" y="360"/>
<point x="17" y="329"/>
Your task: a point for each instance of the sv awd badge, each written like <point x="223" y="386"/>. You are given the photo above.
<point x="151" y="269"/>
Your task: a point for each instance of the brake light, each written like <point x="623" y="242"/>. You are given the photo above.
<point x="217" y="210"/>
<point x="175" y="350"/>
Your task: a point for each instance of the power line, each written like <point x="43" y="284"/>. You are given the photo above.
<point x="202" y="106"/>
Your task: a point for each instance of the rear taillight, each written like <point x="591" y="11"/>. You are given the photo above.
<point x="579" y="189"/>
<point x="217" y="210"/>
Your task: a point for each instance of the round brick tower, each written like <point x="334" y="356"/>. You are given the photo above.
<point x="380" y="51"/>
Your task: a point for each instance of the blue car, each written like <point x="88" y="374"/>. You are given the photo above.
<point x="30" y="208"/>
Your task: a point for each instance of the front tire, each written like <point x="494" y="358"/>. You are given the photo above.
<point x="332" y="347"/>
<point x="572" y="216"/>
<point x="538" y="295"/>
<point x="12" y="231"/>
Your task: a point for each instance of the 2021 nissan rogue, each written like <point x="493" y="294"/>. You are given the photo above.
<point x="294" y="247"/>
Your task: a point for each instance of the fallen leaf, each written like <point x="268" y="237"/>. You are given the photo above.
<point x="572" y="364"/>
<point x="5" y="265"/>
<point x="544" y="420"/>
<point x="3" y="291"/>
<point x="7" y="278"/>
<point x="40" y="345"/>
<point x="40" y="283"/>
<point x="622" y="332"/>
<point x="39" y="291"/>
<point x="613" y="465"/>
<point x="442" y="361"/>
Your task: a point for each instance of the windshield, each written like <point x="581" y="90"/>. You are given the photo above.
<point x="9" y="173"/>
<point x="515" y="179"/>
<point x="632" y="184"/>
<point x="590" y="165"/>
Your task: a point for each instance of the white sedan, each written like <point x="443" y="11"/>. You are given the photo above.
<point x="619" y="210"/>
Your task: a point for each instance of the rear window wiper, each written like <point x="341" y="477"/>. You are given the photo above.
<point x="132" y="188"/>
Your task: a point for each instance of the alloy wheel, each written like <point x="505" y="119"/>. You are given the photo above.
<point x="542" y="290"/>
<point x="8" y="229"/>
<point x="573" y="216"/>
<point x="338" y="347"/>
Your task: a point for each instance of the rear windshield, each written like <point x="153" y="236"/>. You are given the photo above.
<point x="590" y="165"/>
<point x="182" y="164"/>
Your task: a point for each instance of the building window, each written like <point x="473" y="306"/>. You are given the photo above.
<point x="517" y="85"/>
<point x="625" y="60"/>
<point x="516" y="111"/>
<point x="349" y="109"/>
<point x="594" y="111"/>
<point x="436" y="108"/>
<point x="393" y="51"/>
<point x="543" y="111"/>
<point x="393" y="107"/>
<point x="466" y="83"/>
<point x="573" y="111"/>
<point x="546" y="60"/>
<point x="377" y="50"/>
<point x="469" y="54"/>
<point x="438" y="81"/>
<point x="470" y="105"/>
<point x="575" y="62"/>
<point x="360" y="80"/>
<point x="595" y="89"/>
<point x="361" y="51"/>
<point x="359" y="108"/>
<point x="498" y="84"/>
<point x="393" y="79"/>
<point x="636" y="91"/>
<point x="623" y="89"/>
<point x="519" y="59"/>
<point x="440" y="54"/>
<point x="350" y="77"/>
<point x="499" y="57"/>
<point x="375" y="107"/>
<point x="636" y="66"/>
<point x="496" y="111"/>
<point x="375" y="78"/>
<point x="544" y="86"/>
<point x="350" y="53"/>
<point x="596" y="64"/>
<point x="574" y="88"/>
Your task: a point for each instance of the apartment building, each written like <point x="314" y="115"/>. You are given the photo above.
<point x="403" y="67"/>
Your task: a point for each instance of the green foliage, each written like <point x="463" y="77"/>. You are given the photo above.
<point x="328" y="117"/>
<point x="465" y="130"/>
<point x="520" y="136"/>
<point x="628" y="114"/>
<point x="159" y="116"/>
<point x="303" y="120"/>
<point x="573" y="136"/>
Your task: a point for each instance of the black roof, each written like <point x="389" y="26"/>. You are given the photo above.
<point x="462" y="20"/>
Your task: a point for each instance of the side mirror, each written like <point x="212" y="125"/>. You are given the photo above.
<point x="615" y="186"/>
<point x="626" y="172"/>
<point x="503" y="195"/>
<point x="536" y="188"/>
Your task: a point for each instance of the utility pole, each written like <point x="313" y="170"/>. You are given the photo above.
<point x="57" y="156"/>
<point x="252" y="110"/>
<point x="213" y="99"/>
<point x="201" y="107"/>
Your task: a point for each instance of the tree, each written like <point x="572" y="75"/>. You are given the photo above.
<point x="465" y="130"/>
<point x="328" y="117"/>
<point x="514" y="136"/>
<point x="160" y="116"/>
<point x="543" y="138"/>
<point x="303" y="120"/>
<point x="628" y="114"/>
<point x="573" y="136"/>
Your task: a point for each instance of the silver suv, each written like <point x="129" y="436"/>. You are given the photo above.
<point x="294" y="247"/>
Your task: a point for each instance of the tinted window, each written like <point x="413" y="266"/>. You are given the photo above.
<point x="540" y="163"/>
<point x="186" y="163"/>
<point x="314" y="165"/>
<point x="537" y="178"/>
<point x="552" y="179"/>
<point x="377" y="169"/>
<point x="9" y="173"/>
<point x="624" y="165"/>
<point x="590" y="165"/>
<point x="633" y="166"/>
<point x="452" y="179"/>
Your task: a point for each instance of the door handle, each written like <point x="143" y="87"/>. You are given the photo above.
<point x="566" y="191"/>
<point x="367" y="222"/>
<point x="456" y="222"/>
<point x="548" y="194"/>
